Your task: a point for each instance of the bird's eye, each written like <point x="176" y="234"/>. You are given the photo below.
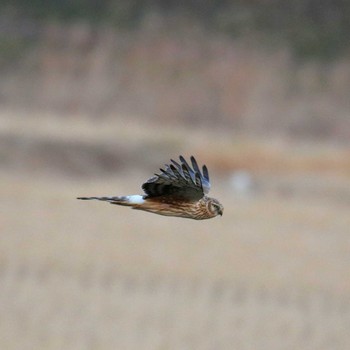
<point x="216" y="207"/>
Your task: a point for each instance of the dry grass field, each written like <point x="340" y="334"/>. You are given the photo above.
<point x="272" y="273"/>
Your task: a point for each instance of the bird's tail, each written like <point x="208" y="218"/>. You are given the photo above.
<point x="129" y="201"/>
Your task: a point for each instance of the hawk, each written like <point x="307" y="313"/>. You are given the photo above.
<point x="179" y="190"/>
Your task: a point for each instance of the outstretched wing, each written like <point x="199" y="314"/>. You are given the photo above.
<point x="179" y="180"/>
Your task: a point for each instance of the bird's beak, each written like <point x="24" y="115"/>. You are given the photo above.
<point x="221" y="212"/>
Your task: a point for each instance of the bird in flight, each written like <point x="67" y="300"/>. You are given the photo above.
<point x="179" y="190"/>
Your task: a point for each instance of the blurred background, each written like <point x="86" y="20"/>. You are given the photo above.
<point x="95" y="96"/>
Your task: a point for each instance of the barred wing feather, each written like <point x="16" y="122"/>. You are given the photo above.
<point x="180" y="180"/>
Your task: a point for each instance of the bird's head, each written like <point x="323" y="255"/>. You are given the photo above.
<point x="215" y="207"/>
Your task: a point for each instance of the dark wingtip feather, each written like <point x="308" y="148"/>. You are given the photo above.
<point x="205" y="172"/>
<point x="175" y="163"/>
<point x="199" y="180"/>
<point x="164" y="173"/>
<point x="182" y="159"/>
<point x="195" y="165"/>
<point x="178" y="167"/>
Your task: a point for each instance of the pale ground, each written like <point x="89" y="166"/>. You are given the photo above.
<point x="272" y="273"/>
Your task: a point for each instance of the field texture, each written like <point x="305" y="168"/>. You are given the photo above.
<point x="272" y="273"/>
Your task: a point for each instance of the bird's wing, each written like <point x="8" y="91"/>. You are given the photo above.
<point x="179" y="180"/>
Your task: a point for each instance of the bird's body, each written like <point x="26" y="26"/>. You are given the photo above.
<point x="178" y="191"/>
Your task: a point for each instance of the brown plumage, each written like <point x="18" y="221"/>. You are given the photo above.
<point x="179" y="190"/>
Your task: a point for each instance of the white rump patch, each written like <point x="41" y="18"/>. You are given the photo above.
<point x="135" y="199"/>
